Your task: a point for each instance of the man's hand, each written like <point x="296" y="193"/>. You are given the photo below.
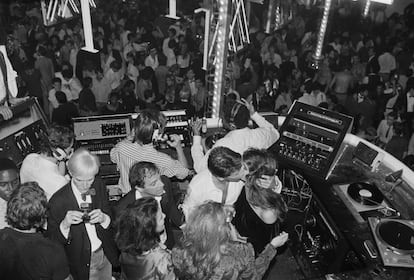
<point x="196" y="126"/>
<point x="5" y="112"/>
<point x="71" y="218"/>
<point x="270" y="182"/>
<point x="280" y="240"/>
<point x="174" y="141"/>
<point x="97" y="216"/>
<point x="248" y="104"/>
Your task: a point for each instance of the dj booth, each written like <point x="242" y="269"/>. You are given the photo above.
<point x="351" y="204"/>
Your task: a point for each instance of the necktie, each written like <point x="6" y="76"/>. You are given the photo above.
<point x="4" y="72"/>
<point x="388" y="132"/>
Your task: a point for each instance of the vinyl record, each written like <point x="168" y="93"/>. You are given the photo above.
<point x="398" y="235"/>
<point x="366" y="194"/>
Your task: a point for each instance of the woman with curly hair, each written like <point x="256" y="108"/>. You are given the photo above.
<point x="260" y="207"/>
<point x="24" y="252"/>
<point x="138" y="237"/>
<point x="210" y="250"/>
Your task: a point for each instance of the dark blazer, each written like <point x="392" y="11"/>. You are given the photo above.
<point x="401" y="107"/>
<point x="77" y="246"/>
<point x="174" y="217"/>
<point x="372" y="65"/>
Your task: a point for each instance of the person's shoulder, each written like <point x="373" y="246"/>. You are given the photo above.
<point x="240" y="248"/>
<point x="60" y="194"/>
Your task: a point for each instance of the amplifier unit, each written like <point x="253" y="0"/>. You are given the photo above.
<point x="177" y="123"/>
<point x="310" y="138"/>
<point x="22" y="134"/>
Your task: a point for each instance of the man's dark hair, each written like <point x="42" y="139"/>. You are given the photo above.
<point x="67" y="73"/>
<point x="56" y="80"/>
<point x="136" y="227"/>
<point x="27" y="207"/>
<point x="87" y="82"/>
<point x="58" y="137"/>
<point x="139" y="171"/>
<point x="222" y="162"/>
<point x="61" y="97"/>
<point x="8" y="164"/>
<point x="145" y="124"/>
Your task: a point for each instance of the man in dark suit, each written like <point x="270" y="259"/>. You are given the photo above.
<point x="145" y="180"/>
<point x="79" y="218"/>
<point x="405" y="103"/>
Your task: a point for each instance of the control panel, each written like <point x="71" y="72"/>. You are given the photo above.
<point x="177" y="123"/>
<point x="102" y="127"/>
<point x="319" y="246"/>
<point x="21" y="135"/>
<point x="310" y="138"/>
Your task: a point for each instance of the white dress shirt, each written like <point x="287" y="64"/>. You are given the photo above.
<point x="239" y="140"/>
<point x="202" y="189"/>
<point x="3" y="210"/>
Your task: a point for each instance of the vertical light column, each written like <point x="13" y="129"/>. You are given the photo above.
<point x="321" y="36"/>
<point x="207" y="20"/>
<point x="366" y="9"/>
<point x="87" y="27"/>
<point x="172" y="9"/>
<point x="278" y="20"/>
<point x="224" y="7"/>
<point x="270" y="14"/>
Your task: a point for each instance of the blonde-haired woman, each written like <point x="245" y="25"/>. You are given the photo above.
<point x="210" y="249"/>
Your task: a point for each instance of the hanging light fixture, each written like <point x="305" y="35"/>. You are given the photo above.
<point x="221" y="55"/>
<point x="317" y="56"/>
<point x="366" y="9"/>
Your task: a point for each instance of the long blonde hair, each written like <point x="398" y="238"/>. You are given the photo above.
<point x="204" y="236"/>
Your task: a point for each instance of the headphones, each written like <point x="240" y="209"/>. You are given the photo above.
<point x="59" y="154"/>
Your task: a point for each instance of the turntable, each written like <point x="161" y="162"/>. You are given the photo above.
<point x="365" y="200"/>
<point x="395" y="241"/>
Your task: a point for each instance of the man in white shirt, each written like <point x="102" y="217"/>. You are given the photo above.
<point x="114" y="75"/>
<point x="387" y="64"/>
<point x="48" y="168"/>
<point x="152" y="59"/>
<point x="385" y="129"/>
<point x="315" y="97"/>
<point x="240" y="139"/>
<point x="221" y="182"/>
<point x="69" y="84"/>
<point x="9" y="180"/>
<point x="79" y="219"/>
<point x="100" y="88"/>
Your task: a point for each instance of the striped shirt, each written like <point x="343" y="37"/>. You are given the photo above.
<point x="126" y="153"/>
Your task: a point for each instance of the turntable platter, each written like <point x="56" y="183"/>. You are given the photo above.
<point x="365" y="194"/>
<point x="399" y="236"/>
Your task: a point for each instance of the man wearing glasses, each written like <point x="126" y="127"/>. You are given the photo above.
<point x="79" y="219"/>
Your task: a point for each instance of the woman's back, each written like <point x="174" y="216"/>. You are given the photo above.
<point x="155" y="264"/>
<point x="237" y="262"/>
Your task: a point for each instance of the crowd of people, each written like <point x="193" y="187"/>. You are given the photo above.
<point x="56" y="221"/>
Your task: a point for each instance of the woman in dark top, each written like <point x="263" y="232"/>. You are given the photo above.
<point x="24" y="252"/>
<point x="259" y="209"/>
<point x="143" y="256"/>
